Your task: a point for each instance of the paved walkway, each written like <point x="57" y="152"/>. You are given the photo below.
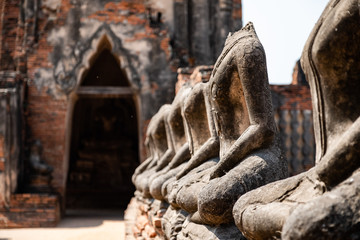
<point x="77" y="225"/>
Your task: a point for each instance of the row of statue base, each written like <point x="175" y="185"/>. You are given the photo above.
<point x="215" y="166"/>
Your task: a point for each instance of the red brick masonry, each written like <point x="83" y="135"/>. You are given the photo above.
<point x="31" y="210"/>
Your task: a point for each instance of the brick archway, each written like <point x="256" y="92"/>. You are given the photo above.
<point x="103" y="135"/>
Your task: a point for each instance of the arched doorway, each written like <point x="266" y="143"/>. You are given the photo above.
<point x="104" y="138"/>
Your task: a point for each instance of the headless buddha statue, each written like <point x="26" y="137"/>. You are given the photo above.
<point x="204" y="147"/>
<point x="324" y="202"/>
<point x="149" y="160"/>
<point x="158" y="144"/>
<point x="240" y="101"/>
<point x="170" y="165"/>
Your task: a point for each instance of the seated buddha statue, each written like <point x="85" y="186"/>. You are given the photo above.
<point x="204" y="148"/>
<point x="240" y="101"/>
<point x="170" y="166"/>
<point x="149" y="160"/>
<point x="159" y="145"/>
<point x="324" y="202"/>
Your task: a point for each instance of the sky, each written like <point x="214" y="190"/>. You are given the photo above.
<point x="283" y="27"/>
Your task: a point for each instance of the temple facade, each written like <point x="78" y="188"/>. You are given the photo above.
<point x="80" y="81"/>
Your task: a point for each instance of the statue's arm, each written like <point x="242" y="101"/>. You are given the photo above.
<point x="141" y="168"/>
<point x="249" y="141"/>
<point x="165" y="159"/>
<point x="342" y="160"/>
<point x="181" y="156"/>
<point x="251" y="68"/>
<point x="209" y="114"/>
<point x="152" y="164"/>
<point x="170" y="152"/>
<point x="208" y="150"/>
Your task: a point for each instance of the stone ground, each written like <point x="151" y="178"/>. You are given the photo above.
<point x="77" y="225"/>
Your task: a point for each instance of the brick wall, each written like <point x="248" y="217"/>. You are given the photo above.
<point x="286" y="97"/>
<point x="48" y="98"/>
<point x="31" y="210"/>
<point x="9" y="29"/>
<point x="46" y="121"/>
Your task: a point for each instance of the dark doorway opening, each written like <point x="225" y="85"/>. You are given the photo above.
<point x="104" y="139"/>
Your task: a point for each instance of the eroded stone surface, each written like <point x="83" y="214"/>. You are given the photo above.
<point x="329" y="189"/>
<point x="192" y="230"/>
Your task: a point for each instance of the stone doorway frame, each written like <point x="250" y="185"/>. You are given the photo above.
<point x="132" y="91"/>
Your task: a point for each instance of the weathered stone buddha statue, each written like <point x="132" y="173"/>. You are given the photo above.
<point x="324" y="202"/>
<point x="240" y="102"/>
<point x="148" y="163"/>
<point x="159" y="143"/>
<point x="204" y="148"/>
<point x="170" y="166"/>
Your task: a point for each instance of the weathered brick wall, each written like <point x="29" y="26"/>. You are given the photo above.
<point x="51" y="43"/>
<point x="9" y="22"/>
<point x="46" y="121"/>
<point x="55" y="41"/>
<point x="31" y="210"/>
<point x="288" y="97"/>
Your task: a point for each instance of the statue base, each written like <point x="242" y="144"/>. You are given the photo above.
<point x="39" y="184"/>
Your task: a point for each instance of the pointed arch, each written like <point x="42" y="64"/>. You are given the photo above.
<point x="103" y="58"/>
<point x="104" y="100"/>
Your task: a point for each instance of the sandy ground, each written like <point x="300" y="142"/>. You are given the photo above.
<point x="77" y="225"/>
